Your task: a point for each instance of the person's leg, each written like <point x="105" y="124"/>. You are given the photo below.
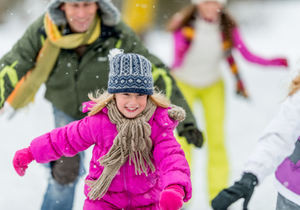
<point x="213" y="101"/>
<point x="285" y="204"/>
<point x="64" y="174"/>
<point x="189" y="94"/>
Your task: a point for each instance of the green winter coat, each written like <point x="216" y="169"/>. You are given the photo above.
<point x="73" y="78"/>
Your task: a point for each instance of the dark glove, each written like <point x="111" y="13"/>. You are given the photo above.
<point x="193" y="136"/>
<point x="241" y="189"/>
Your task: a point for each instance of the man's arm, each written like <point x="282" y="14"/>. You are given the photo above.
<point x="163" y="80"/>
<point x="16" y="63"/>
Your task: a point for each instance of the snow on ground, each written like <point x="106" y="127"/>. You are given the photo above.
<point x="269" y="29"/>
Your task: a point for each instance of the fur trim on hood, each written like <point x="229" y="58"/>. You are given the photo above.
<point x="110" y="15"/>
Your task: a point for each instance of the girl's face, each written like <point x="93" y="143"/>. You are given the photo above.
<point x="131" y="104"/>
<point x="210" y="10"/>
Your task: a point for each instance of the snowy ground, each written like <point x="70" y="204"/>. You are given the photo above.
<point x="269" y="28"/>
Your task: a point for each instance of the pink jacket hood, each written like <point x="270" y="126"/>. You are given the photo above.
<point x="127" y="190"/>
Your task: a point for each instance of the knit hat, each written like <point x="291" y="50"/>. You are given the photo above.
<point x="110" y="15"/>
<point x="129" y="73"/>
<point x="200" y="1"/>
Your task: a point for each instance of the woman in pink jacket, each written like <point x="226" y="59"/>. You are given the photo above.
<point x="137" y="162"/>
<point x="204" y="35"/>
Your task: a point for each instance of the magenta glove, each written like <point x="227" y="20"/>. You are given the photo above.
<point x="21" y="160"/>
<point x="280" y="62"/>
<point x="171" y="198"/>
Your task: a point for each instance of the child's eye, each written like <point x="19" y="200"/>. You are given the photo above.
<point x="125" y="94"/>
<point x="141" y="95"/>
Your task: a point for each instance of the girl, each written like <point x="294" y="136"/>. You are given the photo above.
<point x="278" y="150"/>
<point x="137" y="162"/>
<point x="204" y="34"/>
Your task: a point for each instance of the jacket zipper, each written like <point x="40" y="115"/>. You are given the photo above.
<point x="125" y="184"/>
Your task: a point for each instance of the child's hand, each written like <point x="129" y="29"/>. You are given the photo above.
<point x="280" y="62"/>
<point x="241" y="189"/>
<point x="21" y="160"/>
<point x="171" y="198"/>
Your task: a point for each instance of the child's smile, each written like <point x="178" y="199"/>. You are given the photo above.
<point x="131" y="109"/>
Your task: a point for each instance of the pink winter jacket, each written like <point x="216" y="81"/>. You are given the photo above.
<point x="127" y="190"/>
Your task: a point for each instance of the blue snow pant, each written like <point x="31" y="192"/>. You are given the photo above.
<point x="61" y="196"/>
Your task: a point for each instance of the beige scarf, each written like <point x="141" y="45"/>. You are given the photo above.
<point x="133" y="141"/>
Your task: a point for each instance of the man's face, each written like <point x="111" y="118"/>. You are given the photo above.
<point x="80" y="15"/>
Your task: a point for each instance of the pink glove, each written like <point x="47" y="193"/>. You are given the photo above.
<point x="279" y="62"/>
<point x="21" y="160"/>
<point x="171" y="198"/>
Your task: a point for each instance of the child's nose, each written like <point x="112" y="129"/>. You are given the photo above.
<point x="133" y="101"/>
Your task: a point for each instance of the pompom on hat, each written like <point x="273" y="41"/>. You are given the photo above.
<point x="129" y="73"/>
<point x="109" y="14"/>
<point x="200" y="1"/>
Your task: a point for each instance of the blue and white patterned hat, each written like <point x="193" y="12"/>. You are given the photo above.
<point x="129" y="73"/>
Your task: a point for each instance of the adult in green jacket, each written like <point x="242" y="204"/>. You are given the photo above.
<point x="68" y="48"/>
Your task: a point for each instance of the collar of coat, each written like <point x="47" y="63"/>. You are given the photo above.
<point x="164" y="117"/>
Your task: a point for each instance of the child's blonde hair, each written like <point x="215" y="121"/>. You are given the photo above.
<point x="102" y="99"/>
<point x="295" y="85"/>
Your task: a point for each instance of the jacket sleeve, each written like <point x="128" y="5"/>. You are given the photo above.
<point x="181" y="46"/>
<point x="277" y="141"/>
<point x="240" y="45"/>
<point x="16" y="63"/>
<point x="67" y="141"/>
<point x="161" y="75"/>
<point x="173" y="166"/>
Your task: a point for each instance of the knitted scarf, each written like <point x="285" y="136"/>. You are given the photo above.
<point x="132" y="143"/>
<point x="28" y="85"/>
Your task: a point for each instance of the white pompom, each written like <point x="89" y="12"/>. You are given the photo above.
<point x="114" y="52"/>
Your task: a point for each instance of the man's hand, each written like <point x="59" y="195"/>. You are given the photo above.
<point x="241" y="189"/>
<point x="193" y="136"/>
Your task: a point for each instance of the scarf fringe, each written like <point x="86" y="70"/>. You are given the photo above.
<point x="99" y="187"/>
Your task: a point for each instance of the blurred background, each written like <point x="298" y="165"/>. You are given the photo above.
<point x="269" y="27"/>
